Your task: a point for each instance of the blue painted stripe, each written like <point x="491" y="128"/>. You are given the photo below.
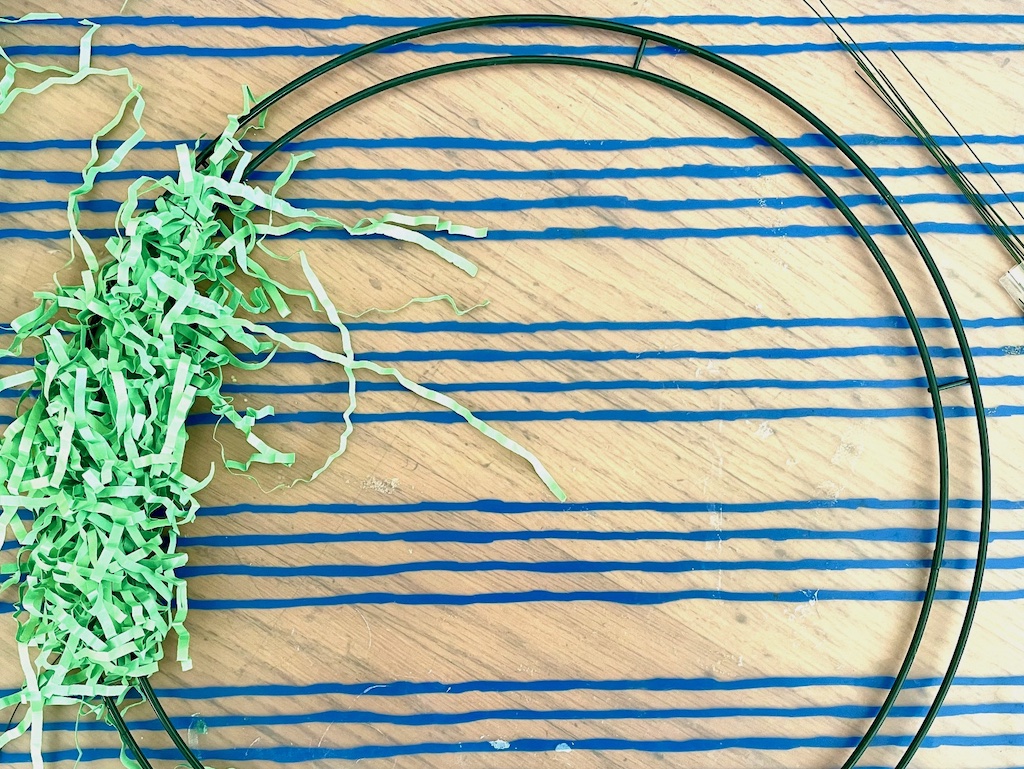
<point x="341" y="387"/>
<point x="687" y="171"/>
<point x="639" y="416"/>
<point x="608" y="202"/>
<point x="295" y="754"/>
<point x="506" y="507"/>
<point x="489" y="49"/>
<point x="895" y="535"/>
<point x="890" y="535"/>
<point x="560" y="714"/>
<point x="401" y="22"/>
<point x="801" y="231"/>
<point x="703" y="324"/>
<point x="764" y="353"/>
<point x="626" y="415"/>
<point x="620" y="597"/>
<point x="661" y="684"/>
<point x="624" y="384"/>
<point x="898" y="535"/>
<point x="514" y="145"/>
<point x="358" y="571"/>
<point x="757" y="353"/>
<point x="483" y="355"/>
<point x="612" y="415"/>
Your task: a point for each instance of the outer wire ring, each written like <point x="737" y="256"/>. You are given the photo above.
<point x="933" y="386"/>
<point x="920" y="627"/>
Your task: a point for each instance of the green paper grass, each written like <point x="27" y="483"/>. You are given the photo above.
<point x="96" y="458"/>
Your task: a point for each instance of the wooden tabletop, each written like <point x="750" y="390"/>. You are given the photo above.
<point x="679" y="326"/>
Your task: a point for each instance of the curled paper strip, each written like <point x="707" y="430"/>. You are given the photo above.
<point x="96" y="459"/>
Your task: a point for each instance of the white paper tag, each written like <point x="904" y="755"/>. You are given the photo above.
<point x="1013" y="283"/>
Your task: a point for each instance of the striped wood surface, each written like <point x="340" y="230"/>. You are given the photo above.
<point x="679" y="327"/>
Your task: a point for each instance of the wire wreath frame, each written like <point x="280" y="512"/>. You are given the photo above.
<point x="643" y="38"/>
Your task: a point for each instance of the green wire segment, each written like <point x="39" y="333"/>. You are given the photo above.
<point x="131" y="754"/>
<point x="646" y="36"/>
<point x="144" y="686"/>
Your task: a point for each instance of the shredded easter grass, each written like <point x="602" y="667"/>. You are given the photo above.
<point x="96" y="458"/>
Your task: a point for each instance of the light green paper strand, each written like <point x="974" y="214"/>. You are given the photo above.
<point x="63" y="76"/>
<point x="96" y="459"/>
<point x="446" y="298"/>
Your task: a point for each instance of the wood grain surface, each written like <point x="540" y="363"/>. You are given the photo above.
<point x="678" y="326"/>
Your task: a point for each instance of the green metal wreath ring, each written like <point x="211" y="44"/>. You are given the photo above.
<point x="643" y="38"/>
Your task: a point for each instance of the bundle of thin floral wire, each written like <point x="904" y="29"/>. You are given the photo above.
<point x="94" y="454"/>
